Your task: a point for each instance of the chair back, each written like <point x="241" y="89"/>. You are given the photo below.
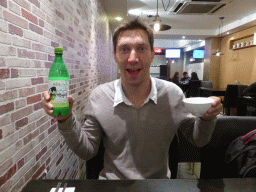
<point x="193" y="89"/>
<point x="231" y="96"/>
<point x="207" y="84"/>
<point x="227" y="129"/>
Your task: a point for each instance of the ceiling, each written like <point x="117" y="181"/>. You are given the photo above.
<point x="239" y="15"/>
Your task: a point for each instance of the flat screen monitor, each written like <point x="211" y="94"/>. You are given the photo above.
<point x="198" y="54"/>
<point x="172" y="53"/>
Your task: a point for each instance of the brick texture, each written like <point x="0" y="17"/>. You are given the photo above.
<point x="29" y="16"/>
<point x="15" y="20"/>
<point x="15" y="30"/>
<point x="30" y="29"/>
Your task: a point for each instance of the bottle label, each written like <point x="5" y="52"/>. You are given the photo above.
<point x="59" y="93"/>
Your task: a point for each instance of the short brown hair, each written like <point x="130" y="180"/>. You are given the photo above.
<point x="134" y="24"/>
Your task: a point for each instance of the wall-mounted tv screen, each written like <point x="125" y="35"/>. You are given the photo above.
<point x="172" y="53"/>
<point x="198" y="54"/>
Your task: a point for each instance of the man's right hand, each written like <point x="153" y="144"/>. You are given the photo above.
<point x="48" y="107"/>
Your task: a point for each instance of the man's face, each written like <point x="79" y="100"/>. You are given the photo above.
<point x="186" y="75"/>
<point x="133" y="56"/>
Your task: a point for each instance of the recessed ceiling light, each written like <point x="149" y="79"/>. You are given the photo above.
<point x="183" y="37"/>
<point x="118" y="18"/>
<point x="134" y="12"/>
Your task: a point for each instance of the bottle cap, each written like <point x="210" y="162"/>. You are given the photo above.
<point x="58" y="50"/>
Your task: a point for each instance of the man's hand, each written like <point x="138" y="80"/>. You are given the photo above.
<point x="214" y="110"/>
<point x="48" y="106"/>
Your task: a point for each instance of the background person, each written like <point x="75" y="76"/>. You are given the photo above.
<point x="194" y="76"/>
<point x="136" y="116"/>
<point x="185" y="77"/>
<point x="175" y="78"/>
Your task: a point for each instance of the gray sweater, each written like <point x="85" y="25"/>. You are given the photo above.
<point x="136" y="140"/>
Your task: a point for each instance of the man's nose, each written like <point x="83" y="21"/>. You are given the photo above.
<point x="133" y="57"/>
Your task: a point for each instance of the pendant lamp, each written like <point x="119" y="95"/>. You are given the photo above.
<point x="218" y="52"/>
<point x="157" y="26"/>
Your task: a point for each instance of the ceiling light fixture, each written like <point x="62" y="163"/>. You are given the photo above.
<point x="119" y="18"/>
<point x="218" y="52"/>
<point x="157" y="26"/>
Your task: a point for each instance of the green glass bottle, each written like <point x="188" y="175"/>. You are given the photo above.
<point x="59" y="84"/>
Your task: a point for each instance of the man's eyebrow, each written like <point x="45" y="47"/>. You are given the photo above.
<point x="126" y="44"/>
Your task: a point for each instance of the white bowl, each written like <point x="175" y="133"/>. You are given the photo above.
<point x="198" y="105"/>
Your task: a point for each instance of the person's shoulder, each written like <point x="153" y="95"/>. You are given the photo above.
<point x="103" y="89"/>
<point x="163" y="84"/>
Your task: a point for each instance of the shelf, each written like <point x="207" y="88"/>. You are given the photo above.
<point x="244" y="47"/>
<point x="248" y="38"/>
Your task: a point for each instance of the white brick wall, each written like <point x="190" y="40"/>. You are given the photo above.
<point x="29" y="139"/>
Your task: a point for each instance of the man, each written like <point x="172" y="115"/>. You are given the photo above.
<point x="136" y="116"/>
<point x="185" y="77"/>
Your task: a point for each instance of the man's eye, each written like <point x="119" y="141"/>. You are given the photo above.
<point x="124" y="49"/>
<point x="142" y="48"/>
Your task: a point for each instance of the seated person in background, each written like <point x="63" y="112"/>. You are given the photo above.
<point x="185" y="77"/>
<point x="136" y="116"/>
<point x="175" y="78"/>
<point x="194" y="76"/>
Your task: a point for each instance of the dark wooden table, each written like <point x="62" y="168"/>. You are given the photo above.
<point x="206" y="92"/>
<point x="242" y="104"/>
<point x="154" y="185"/>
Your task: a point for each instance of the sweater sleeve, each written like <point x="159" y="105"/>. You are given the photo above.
<point x="84" y="139"/>
<point x="203" y="131"/>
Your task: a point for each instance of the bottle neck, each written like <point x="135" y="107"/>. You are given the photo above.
<point x="58" y="57"/>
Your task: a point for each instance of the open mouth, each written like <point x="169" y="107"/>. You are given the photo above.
<point x="133" y="72"/>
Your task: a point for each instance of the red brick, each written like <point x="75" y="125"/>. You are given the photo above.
<point x="6" y="108"/>
<point x="35" y="2"/>
<point x="15" y="20"/>
<point x="81" y="33"/>
<point x="24" y="53"/>
<point x="41" y="23"/>
<point x="4" y="73"/>
<point x="7" y="175"/>
<point x="3" y="3"/>
<point x="20" y="163"/>
<point x="40" y="170"/>
<point x="48" y="64"/>
<point x="39" y="155"/>
<point x="38" y="80"/>
<point x="29" y="16"/>
<point x="51" y="57"/>
<point x="21" y="123"/>
<point x="54" y="44"/>
<point x="60" y="14"/>
<point x="48" y="161"/>
<point x="38" y="106"/>
<point x="69" y="39"/>
<point x="26" y="92"/>
<point x="76" y="23"/>
<point x="14" y="73"/>
<point x="34" y="99"/>
<point x="50" y="1"/>
<point x="52" y="128"/>
<point x="57" y="176"/>
<point x="70" y="29"/>
<point x="58" y="33"/>
<point x="35" y="28"/>
<point x="15" y="30"/>
<point x="1" y="133"/>
<point x="21" y="113"/>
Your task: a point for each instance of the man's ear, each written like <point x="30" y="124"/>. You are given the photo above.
<point x="152" y="55"/>
<point x="114" y="53"/>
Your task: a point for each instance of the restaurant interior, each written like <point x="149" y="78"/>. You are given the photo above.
<point x="214" y="38"/>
